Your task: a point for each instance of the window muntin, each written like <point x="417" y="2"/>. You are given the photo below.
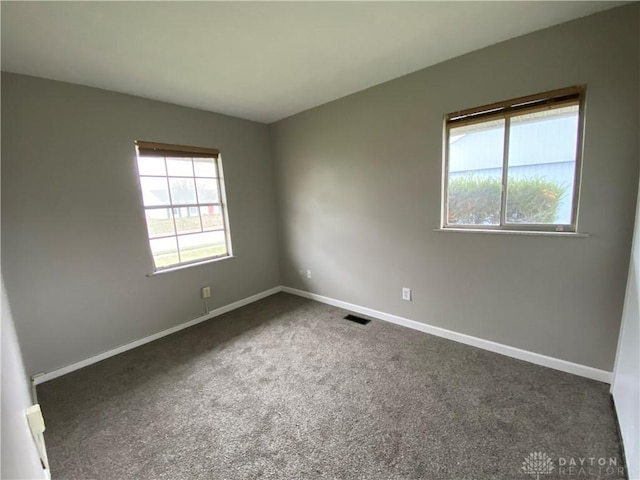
<point x="514" y="165"/>
<point x="184" y="204"/>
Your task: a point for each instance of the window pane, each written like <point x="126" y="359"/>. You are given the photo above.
<point x="151" y="166"/>
<point x="165" y="251"/>
<point x="202" y="245"/>
<point x="183" y="191"/>
<point x="207" y="190"/>
<point x="180" y="167"/>
<point x="542" y="163"/>
<point x="474" y="183"/>
<point x="154" y="191"/>
<point x="211" y="217"/>
<point x="205" y="167"/>
<point x="187" y="221"/>
<point x="159" y="222"/>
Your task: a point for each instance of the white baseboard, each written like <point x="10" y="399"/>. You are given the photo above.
<point x="38" y="379"/>
<point x="527" y="356"/>
<point x="538" y="359"/>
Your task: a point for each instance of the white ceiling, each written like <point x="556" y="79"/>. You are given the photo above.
<point x="257" y="60"/>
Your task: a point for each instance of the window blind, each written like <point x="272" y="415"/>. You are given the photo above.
<point x="528" y="104"/>
<point x="153" y="149"/>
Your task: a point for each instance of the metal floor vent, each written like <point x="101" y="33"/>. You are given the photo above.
<point x="360" y="320"/>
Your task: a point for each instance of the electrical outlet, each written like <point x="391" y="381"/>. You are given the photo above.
<point x="308" y="273"/>
<point x="206" y="292"/>
<point x="406" y="294"/>
<point x="35" y="419"/>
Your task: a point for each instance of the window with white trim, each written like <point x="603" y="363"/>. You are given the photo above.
<point x="184" y="204"/>
<point x="515" y="165"/>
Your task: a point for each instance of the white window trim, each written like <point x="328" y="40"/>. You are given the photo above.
<point x="222" y="203"/>
<point x="184" y="266"/>
<point x="504" y="227"/>
<point x="531" y="233"/>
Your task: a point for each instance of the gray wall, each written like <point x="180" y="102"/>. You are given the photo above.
<point x="359" y="196"/>
<point x="19" y="455"/>
<point x="74" y="247"/>
<point x="359" y="185"/>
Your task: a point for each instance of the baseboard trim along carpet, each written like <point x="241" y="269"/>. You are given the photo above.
<point x="527" y="356"/>
<point x="45" y="377"/>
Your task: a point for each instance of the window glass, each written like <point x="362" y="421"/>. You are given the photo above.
<point x="542" y="164"/>
<point x="183" y="205"/>
<point x="475" y="173"/>
<point x="514" y="164"/>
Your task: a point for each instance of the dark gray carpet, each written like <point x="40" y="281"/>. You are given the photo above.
<point x="285" y="388"/>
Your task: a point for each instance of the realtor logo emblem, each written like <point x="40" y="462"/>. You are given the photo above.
<point x="537" y="463"/>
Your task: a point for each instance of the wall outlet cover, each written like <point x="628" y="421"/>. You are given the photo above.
<point x="406" y="294"/>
